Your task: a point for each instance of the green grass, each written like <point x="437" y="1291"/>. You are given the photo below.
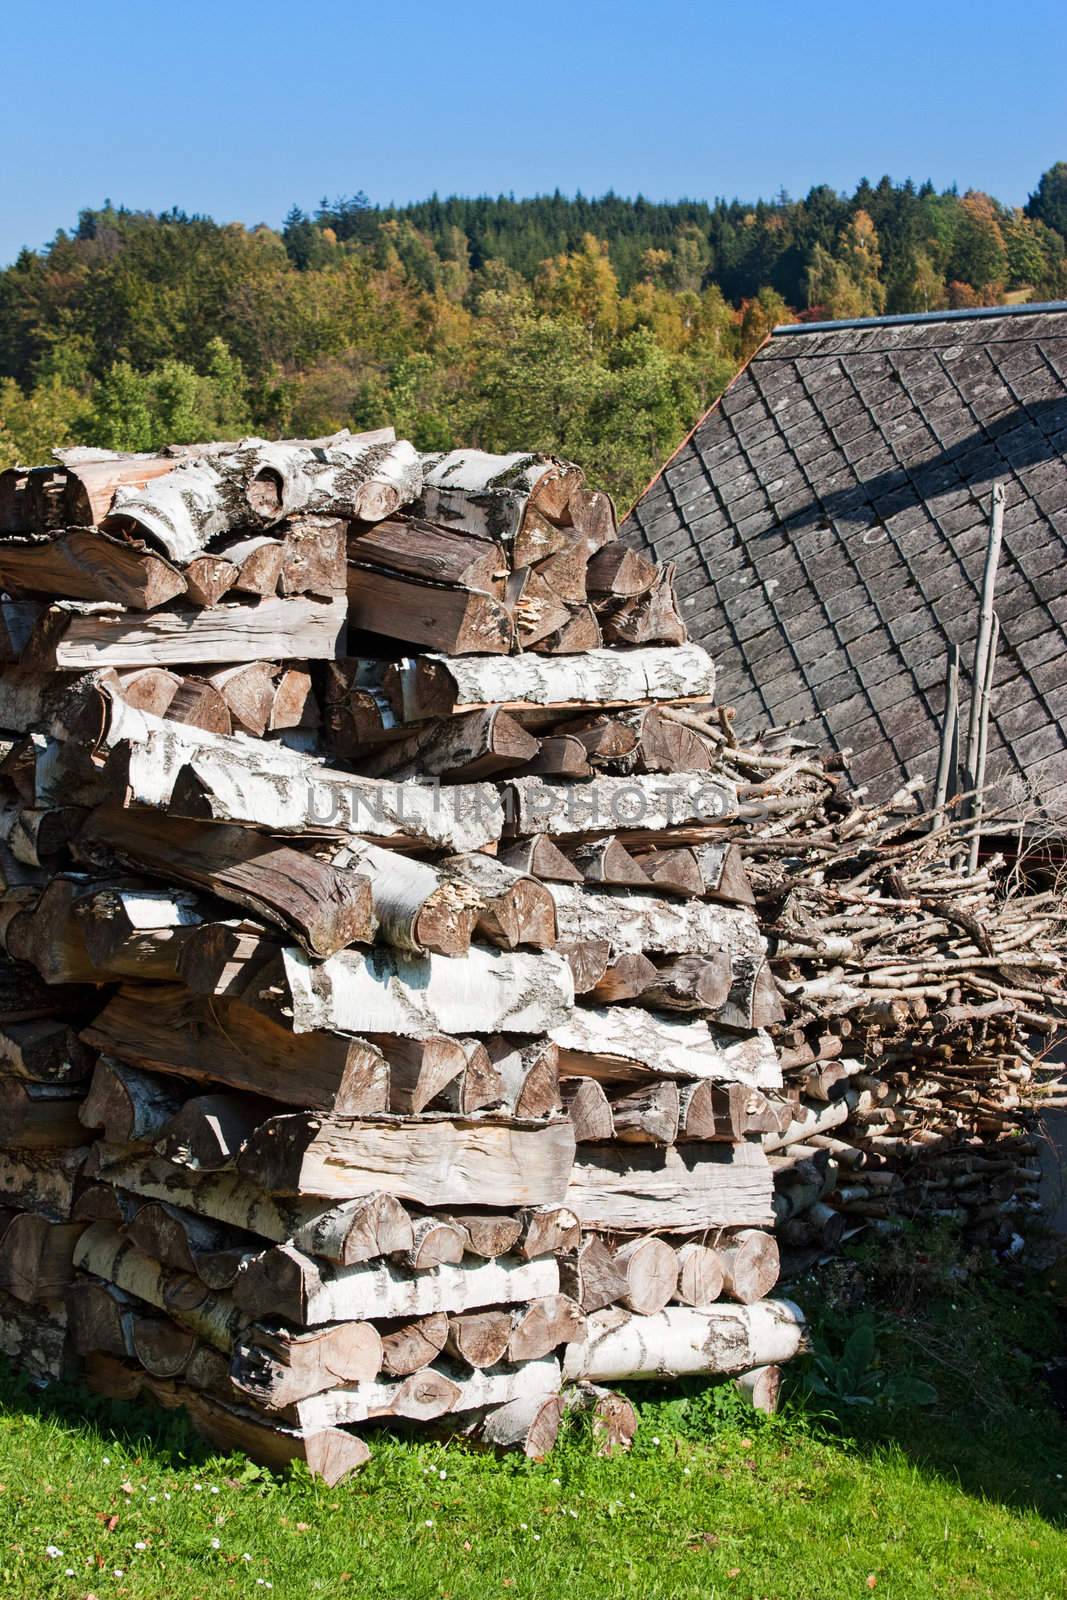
<point x="963" y="1498"/>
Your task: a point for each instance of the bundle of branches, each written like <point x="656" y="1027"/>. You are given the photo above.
<point x="921" y="999"/>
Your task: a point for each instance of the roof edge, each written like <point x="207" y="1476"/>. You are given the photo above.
<point x="1028" y="309"/>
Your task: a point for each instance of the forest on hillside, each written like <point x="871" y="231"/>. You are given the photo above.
<point x="598" y="329"/>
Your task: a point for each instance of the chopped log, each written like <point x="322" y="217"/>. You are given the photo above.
<point x="633" y="921"/>
<point x="385" y="991"/>
<point x="323" y="907"/>
<point x="592" y="1276"/>
<point x="700" y="1275"/>
<point x="440" y="686"/>
<point x="650" y="1270"/>
<point x="627" y="978"/>
<point x="441" y="618"/>
<point x="200" y="705"/>
<point x="208" y="578"/>
<point x="691" y="982"/>
<point x="351" y="1232"/>
<point x="591" y="513"/>
<point x="689" y="1186"/>
<point x="75" y="636"/>
<point x="529" y="1075"/>
<point x="41" y="1180"/>
<point x="725" y="875"/>
<point x="761" y="1388"/>
<point x="133" y="932"/>
<point x="560" y="756"/>
<point x="313" y="557"/>
<point x="656" y="801"/>
<point x="128" y="1106"/>
<point x="102" y="1250"/>
<point x="39" y="1116"/>
<point x="750" y="1265"/>
<point x="542" y="1326"/>
<point x="419" y="1069"/>
<point x="222" y="1041"/>
<point x="617" y="570"/>
<point x="624" y="1044"/>
<point x="101" y="1318"/>
<point x="433" y="1242"/>
<point x="430" y="1393"/>
<point x="607" y="861"/>
<point x="720" y="1111"/>
<point x="513" y="499"/>
<point x="284" y="1283"/>
<point x="418" y="907"/>
<point x="258" y="559"/>
<point x="588" y="1109"/>
<point x="420" y="549"/>
<point x="294" y="704"/>
<point x="161" y="1346"/>
<point x="276" y="1367"/>
<point x="485" y="1233"/>
<point x="35" y="1339"/>
<point x="475" y="744"/>
<point x="247" y="691"/>
<point x="681" y="1341"/>
<point x="413" y="1345"/>
<point x="513" y="908"/>
<point x="208" y="1132"/>
<point x="151" y="689"/>
<point x="477" y="1088"/>
<point x="530" y="1424"/>
<point x="46" y="1050"/>
<point x="433" y="1163"/>
<point x="588" y="960"/>
<point x="81" y="565"/>
<point x="479" y="1338"/>
<point x="256" y="484"/>
<point x="548" y="1230"/>
<point x="536" y="609"/>
<point x="614" y="1417"/>
<point x="227" y="958"/>
<point x="565" y="573"/>
<point x="671" y="871"/>
<point x="648" y="1115"/>
<point x="578" y="635"/>
<point x="538" y="857"/>
<point x="36" y="1257"/>
<point x="652" y="618"/>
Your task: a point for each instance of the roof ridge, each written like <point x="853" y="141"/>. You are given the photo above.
<point x="1029" y="308"/>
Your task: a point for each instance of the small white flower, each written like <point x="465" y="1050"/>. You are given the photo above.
<point x="537" y="1537"/>
<point x="216" y="1544"/>
<point x="429" y="1522"/>
<point x="442" y="1474"/>
<point x="152" y="1499"/>
<point x="70" y="1572"/>
<point x="52" y="1551"/>
<point x="685" y="1472"/>
<point x="573" y="1514"/>
<point x="214" y="1488"/>
<point x="106" y="1460"/>
<point x="198" y="1487"/>
<point x="119" y="1573"/>
<point x="632" y="1495"/>
<point x="140" y="1545"/>
<point x="246" y="1557"/>
<point x="654" y="1439"/>
<point x="524" y="1524"/>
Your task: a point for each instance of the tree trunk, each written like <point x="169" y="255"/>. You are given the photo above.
<point x="682" y="1342"/>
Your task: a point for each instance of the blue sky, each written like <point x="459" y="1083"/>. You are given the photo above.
<point x="238" y="109"/>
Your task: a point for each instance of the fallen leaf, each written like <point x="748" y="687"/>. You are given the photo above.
<point x="734" y="1572"/>
<point x="872" y="1581"/>
<point x="127" y="1487"/>
<point x="110" y="1522"/>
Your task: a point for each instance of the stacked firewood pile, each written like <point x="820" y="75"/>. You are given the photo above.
<point x="384" y="1035"/>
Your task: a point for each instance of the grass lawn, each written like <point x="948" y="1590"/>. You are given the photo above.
<point x="961" y="1498"/>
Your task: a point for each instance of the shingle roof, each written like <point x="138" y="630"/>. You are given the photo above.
<point x="829" y="520"/>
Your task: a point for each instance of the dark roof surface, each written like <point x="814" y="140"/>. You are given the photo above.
<point x="829" y="519"/>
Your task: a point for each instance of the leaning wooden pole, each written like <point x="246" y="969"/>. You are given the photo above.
<point x="979" y="702"/>
<point x="948" y="760"/>
<point x="978" y="800"/>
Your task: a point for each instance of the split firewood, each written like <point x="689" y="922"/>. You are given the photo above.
<point x="36" y="1339"/>
<point x="36" y="1257"/>
<point x="208" y="1131"/>
<point x="625" y="1044"/>
<point x="513" y="908"/>
<point x="548" y="1230"/>
<point x="128" y="1106"/>
<point x="700" y="1275"/>
<point x="40" y="1116"/>
<point x="479" y="1338"/>
<point x="577" y="636"/>
<point x="509" y="499"/>
<point x="418" y="549"/>
<point x="473" y="745"/>
<point x="560" y="756"/>
<point x="628" y="977"/>
<point x="749" y="1265"/>
<point x="650" y="618"/>
<point x="43" y="1180"/>
<point x="45" y="1050"/>
<point x="458" y="621"/>
<point x="209" y="1039"/>
<point x="542" y="1326"/>
<point x="275" y="1367"/>
<point x="648" y="1115"/>
<point x="621" y="572"/>
<point x="528" y="1073"/>
<point x="650" y="1268"/>
<point x="247" y="691"/>
<point x="284" y="1283"/>
<point x="485" y="1233"/>
<point x="479" y="1087"/>
<point x="83" y="565"/>
<point x="538" y="857"/>
<point x="431" y="1162"/>
<point x="632" y="1188"/>
<point x="588" y="1109"/>
<point x="606" y="861"/>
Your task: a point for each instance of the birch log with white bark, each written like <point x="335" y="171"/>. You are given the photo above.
<point x="348" y="1233"/>
<point x="420" y="1399"/>
<point x="257" y="484"/>
<point x="682" y="1187"/>
<point x="383" y="991"/>
<point x="434" y="1162"/>
<point x="41" y="1180"/>
<point x="104" y="1251"/>
<point x="76" y="636"/>
<point x="655" y="802"/>
<point x="419" y="909"/>
<point x="514" y="908"/>
<point x="287" y="1284"/>
<point x="624" y="1043"/>
<point x="128" y="1106"/>
<point x="497" y="497"/>
<point x="684" y="1342"/>
<point x="276" y="1367"/>
<point x="435" y="685"/>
